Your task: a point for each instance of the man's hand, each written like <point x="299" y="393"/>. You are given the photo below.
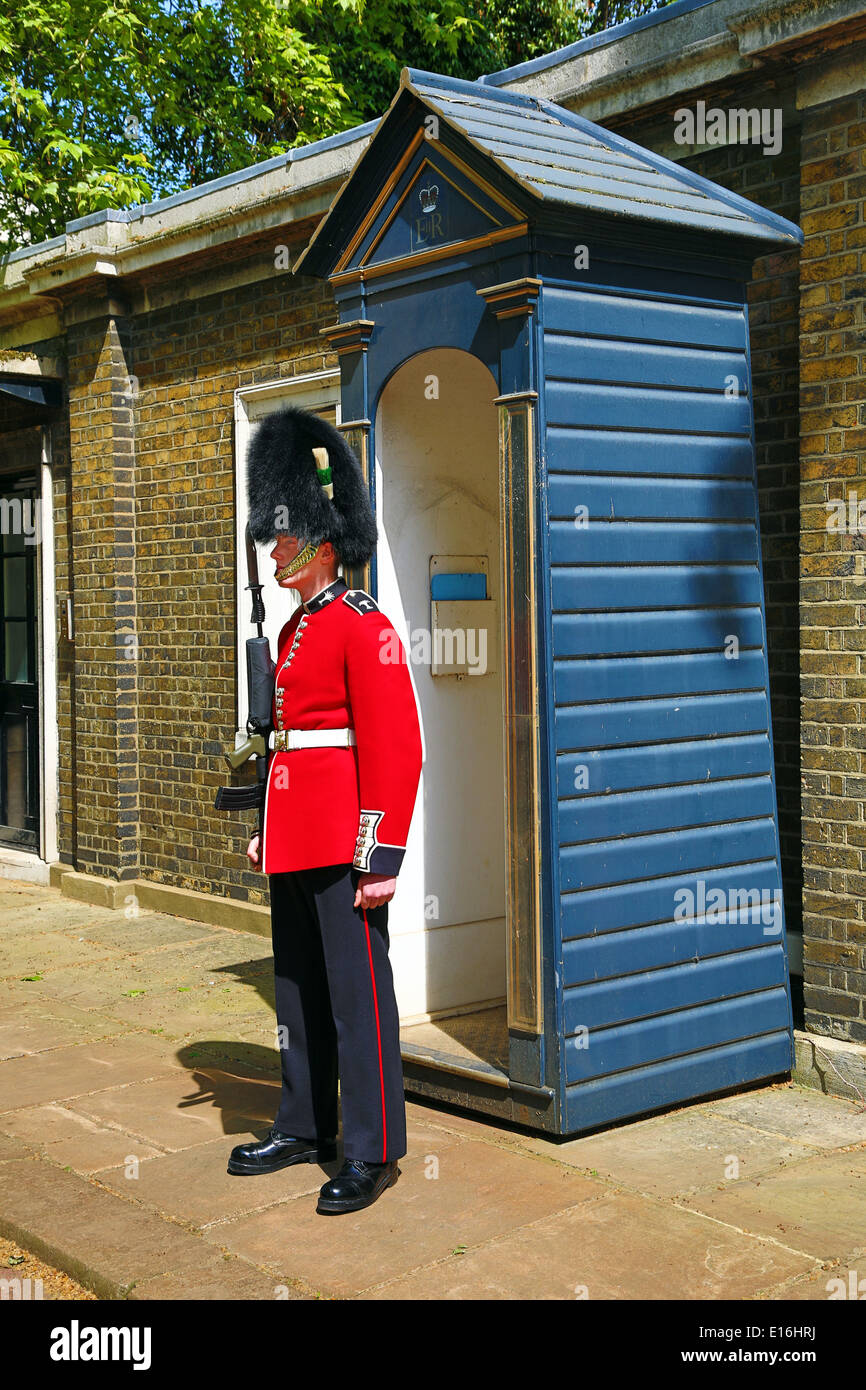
<point x="253" y="851"/>
<point x="374" y="889"/>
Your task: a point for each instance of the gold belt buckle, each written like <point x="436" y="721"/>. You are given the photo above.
<point x="280" y="741"/>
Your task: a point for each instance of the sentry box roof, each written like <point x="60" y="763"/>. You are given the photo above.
<point x="550" y="164"/>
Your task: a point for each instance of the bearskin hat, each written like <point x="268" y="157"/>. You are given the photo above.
<point x="285" y="494"/>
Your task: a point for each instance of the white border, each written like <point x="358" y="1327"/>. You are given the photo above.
<point x="48" y="731"/>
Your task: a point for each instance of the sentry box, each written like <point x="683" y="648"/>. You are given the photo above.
<point x="544" y="349"/>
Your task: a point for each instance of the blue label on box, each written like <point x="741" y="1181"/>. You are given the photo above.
<point x="459" y="585"/>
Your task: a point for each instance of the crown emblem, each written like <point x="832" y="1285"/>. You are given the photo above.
<point x="429" y="197"/>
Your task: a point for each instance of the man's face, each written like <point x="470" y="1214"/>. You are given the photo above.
<point x="287" y="547"/>
<point x="284" y="551"/>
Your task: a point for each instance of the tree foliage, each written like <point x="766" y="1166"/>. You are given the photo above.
<point x="110" y="103"/>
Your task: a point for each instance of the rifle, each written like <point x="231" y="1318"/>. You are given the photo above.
<point x="261" y="671"/>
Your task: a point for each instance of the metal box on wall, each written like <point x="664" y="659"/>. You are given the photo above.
<point x="504" y="268"/>
<point x="464" y="623"/>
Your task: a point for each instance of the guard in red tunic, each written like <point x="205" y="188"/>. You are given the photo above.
<point x="341" y="789"/>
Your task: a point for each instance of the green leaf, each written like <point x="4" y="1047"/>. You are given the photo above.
<point x="111" y="103"/>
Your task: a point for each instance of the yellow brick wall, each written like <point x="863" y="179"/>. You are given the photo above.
<point x="153" y="463"/>
<point x="833" y="575"/>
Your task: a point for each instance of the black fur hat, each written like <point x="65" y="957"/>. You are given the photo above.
<point x="285" y="494"/>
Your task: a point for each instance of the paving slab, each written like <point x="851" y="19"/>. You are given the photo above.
<point x="816" y="1205"/>
<point x="72" y="1140"/>
<point x="621" y="1247"/>
<point x="256" y="1060"/>
<point x="145" y="933"/>
<point x="224" y="950"/>
<point x="805" y="1115"/>
<point x="41" y="1025"/>
<point x="840" y="1281"/>
<point x="467" y="1126"/>
<point x="14" y="993"/>
<point x="677" y="1154"/>
<point x="53" y="1214"/>
<point x="20" y="895"/>
<point x="161" y="998"/>
<point x="181" y="1013"/>
<point x="219" y="961"/>
<point x="218" y="1277"/>
<point x="65" y="916"/>
<point x="45" y="951"/>
<point x="13" y="892"/>
<point x="248" y="1042"/>
<point x="471" y="1195"/>
<point x="101" y="1240"/>
<point x="193" y="1185"/>
<point x="13" y="1147"/>
<point x="80" y="1069"/>
<point x="99" y="988"/>
<point x="180" y="1108"/>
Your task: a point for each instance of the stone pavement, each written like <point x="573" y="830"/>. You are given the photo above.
<point x="138" y="1050"/>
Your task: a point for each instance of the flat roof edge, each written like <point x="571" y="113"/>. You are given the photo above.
<point x="586" y="45"/>
<point x="199" y="190"/>
<point x="39" y="247"/>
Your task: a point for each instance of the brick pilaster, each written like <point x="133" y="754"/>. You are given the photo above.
<point x="105" y="657"/>
<point x="833" y="566"/>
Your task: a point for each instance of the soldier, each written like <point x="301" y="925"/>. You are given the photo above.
<point x="341" y="789"/>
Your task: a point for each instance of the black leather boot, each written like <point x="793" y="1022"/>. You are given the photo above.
<point x="279" y="1151"/>
<point x="357" y="1185"/>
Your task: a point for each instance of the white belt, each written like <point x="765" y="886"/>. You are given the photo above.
<point x="286" y="739"/>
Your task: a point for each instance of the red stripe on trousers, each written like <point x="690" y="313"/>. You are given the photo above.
<point x="378" y="1038"/>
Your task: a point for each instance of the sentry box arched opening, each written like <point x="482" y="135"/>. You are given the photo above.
<point x="544" y="351"/>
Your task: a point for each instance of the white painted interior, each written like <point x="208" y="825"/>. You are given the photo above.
<point x="437" y="493"/>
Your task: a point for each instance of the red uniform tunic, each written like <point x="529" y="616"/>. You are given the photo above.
<point x="341" y="664"/>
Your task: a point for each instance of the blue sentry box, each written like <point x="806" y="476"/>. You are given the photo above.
<point x="459" y="585"/>
<point x="639" y="782"/>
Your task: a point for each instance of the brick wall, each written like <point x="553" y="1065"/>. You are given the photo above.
<point x="20" y="444"/>
<point x="101" y="531"/>
<point x="188" y="357"/>
<point x="833" y="584"/>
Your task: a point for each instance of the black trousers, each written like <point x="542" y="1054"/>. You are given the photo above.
<point x="336" y="1014"/>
